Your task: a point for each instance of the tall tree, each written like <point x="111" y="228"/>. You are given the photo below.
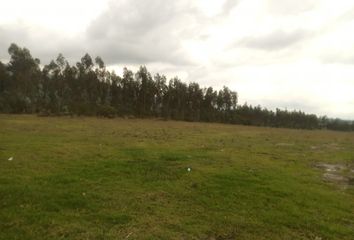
<point x="89" y="88"/>
<point x="25" y="79"/>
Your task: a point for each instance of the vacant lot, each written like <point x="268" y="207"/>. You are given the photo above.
<point x="89" y="178"/>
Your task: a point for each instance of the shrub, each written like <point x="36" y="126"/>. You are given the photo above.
<point x="106" y="111"/>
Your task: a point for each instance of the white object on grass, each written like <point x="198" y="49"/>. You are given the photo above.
<point x="189" y="169"/>
<point x="11" y="158"/>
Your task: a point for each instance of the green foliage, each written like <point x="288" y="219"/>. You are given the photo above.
<point x="89" y="89"/>
<point x="106" y="111"/>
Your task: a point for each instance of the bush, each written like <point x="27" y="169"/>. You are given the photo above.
<point x="106" y="111"/>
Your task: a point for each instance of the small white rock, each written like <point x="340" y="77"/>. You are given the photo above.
<point x="11" y="158"/>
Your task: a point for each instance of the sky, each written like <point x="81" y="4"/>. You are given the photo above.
<point x="275" y="53"/>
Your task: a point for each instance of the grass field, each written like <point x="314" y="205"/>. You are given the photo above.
<point x="89" y="178"/>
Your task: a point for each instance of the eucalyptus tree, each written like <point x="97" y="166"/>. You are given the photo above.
<point x="24" y="79"/>
<point x="89" y="88"/>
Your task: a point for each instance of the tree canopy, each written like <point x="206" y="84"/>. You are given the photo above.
<point x="88" y="88"/>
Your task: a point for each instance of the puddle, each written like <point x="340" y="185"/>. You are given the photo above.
<point x="339" y="174"/>
<point x="332" y="167"/>
<point x="334" y="177"/>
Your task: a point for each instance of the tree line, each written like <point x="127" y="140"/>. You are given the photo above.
<point x="88" y="88"/>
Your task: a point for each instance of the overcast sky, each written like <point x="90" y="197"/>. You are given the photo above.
<point x="277" y="53"/>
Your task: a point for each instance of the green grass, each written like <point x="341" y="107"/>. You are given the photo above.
<point x="89" y="178"/>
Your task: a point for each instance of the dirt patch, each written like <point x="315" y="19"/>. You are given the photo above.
<point x="332" y="167"/>
<point x="333" y="146"/>
<point x="331" y="177"/>
<point x="327" y="146"/>
<point x="338" y="174"/>
<point x="284" y="144"/>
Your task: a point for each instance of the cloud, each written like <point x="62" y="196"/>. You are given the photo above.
<point x="228" y="6"/>
<point x="275" y="53"/>
<point x="139" y="31"/>
<point x="276" y="40"/>
<point x="42" y="43"/>
<point x="127" y="32"/>
<point x="339" y="57"/>
<point x="7" y="36"/>
<point x="290" y="7"/>
<point x="303" y="104"/>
